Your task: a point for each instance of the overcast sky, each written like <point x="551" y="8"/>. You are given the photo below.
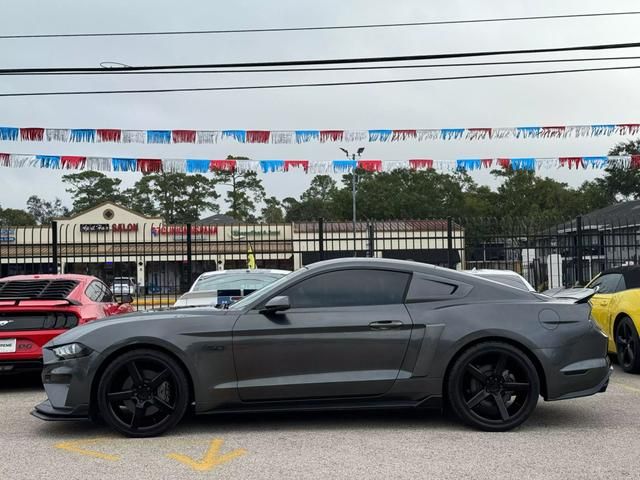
<point x="585" y="98"/>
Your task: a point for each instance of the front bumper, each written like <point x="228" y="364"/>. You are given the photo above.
<point x="46" y="411"/>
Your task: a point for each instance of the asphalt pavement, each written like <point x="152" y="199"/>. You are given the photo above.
<point x="590" y="438"/>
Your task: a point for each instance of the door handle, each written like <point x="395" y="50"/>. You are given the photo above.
<point x="386" y="324"/>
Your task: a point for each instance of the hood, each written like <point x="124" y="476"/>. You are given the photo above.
<point x="128" y="320"/>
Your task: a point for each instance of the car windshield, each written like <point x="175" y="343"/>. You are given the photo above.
<point x="267" y="290"/>
<point x="235" y="281"/>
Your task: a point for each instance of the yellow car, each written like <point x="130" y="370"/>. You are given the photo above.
<point x="616" y="308"/>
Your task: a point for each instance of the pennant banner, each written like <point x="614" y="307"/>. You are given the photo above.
<point x="189" y="165"/>
<point x="113" y="135"/>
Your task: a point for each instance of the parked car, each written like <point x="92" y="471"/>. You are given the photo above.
<point x="507" y="277"/>
<point x="36" y="308"/>
<point x="224" y="287"/>
<point x="124" y="286"/>
<point x="348" y="333"/>
<point x="616" y="308"/>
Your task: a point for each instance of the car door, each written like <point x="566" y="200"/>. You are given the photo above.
<point x="603" y="301"/>
<point x="345" y="335"/>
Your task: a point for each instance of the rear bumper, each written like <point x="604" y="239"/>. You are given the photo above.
<point x="8" y="367"/>
<point x="29" y="345"/>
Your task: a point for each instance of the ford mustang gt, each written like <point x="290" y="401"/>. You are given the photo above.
<point x="340" y="334"/>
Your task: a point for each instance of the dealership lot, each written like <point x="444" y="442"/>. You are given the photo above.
<point x="595" y="437"/>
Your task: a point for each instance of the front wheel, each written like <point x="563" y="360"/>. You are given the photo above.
<point x="493" y="386"/>
<point x="143" y="393"/>
<point x="628" y="346"/>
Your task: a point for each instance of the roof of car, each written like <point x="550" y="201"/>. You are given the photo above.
<point x="51" y="276"/>
<point x="631" y="274"/>
<point x="247" y="270"/>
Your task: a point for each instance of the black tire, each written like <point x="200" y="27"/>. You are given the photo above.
<point x="143" y="393"/>
<point x="627" y="346"/>
<point x="493" y="386"/>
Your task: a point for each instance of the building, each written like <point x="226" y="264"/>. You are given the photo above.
<point x="111" y="241"/>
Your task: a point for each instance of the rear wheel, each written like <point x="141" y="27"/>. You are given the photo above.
<point x="143" y="393"/>
<point x="628" y="346"/>
<point x="493" y="386"/>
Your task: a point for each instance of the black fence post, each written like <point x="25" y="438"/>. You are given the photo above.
<point x="371" y="249"/>
<point x="450" y="243"/>
<point x="579" y="272"/>
<point x="321" y="237"/>
<point x="189" y="259"/>
<point x="54" y="245"/>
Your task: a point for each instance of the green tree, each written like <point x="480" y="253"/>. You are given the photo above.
<point x="90" y="188"/>
<point x="13" y="217"/>
<point x="44" y="211"/>
<point x="272" y="211"/>
<point x="315" y="202"/>
<point x="245" y="192"/>
<point x="620" y="182"/>
<point x="176" y="197"/>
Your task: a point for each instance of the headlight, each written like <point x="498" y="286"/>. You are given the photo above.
<point x="71" y="350"/>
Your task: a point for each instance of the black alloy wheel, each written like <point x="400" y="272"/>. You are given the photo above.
<point x="627" y="346"/>
<point x="493" y="386"/>
<point x="143" y="393"/>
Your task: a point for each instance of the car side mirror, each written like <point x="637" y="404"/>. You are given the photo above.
<point x="276" y="304"/>
<point x="126" y="298"/>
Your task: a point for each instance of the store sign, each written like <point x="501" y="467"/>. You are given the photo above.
<point x="105" y="227"/>
<point x="254" y="232"/>
<point x="181" y="230"/>
<point x="7" y="235"/>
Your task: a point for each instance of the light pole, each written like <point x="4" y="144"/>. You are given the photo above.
<point x="353" y="189"/>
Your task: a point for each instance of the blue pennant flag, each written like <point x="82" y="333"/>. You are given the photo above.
<point x="197" y="166"/>
<point x="602" y="129"/>
<point x="528" y="132"/>
<point x="380" y="135"/>
<point x="469" y="164"/>
<point x="595" y="162"/>
<point x="344" y="165"/>
<point x="237" y="135"/>
<point x="523" y="163"/>
<point x="451" y="133"/>
<point x="48" y="161"/>
<point x="83" y="135"/>
<point x="305" y="136"/>
<point x="9" y="133"/>
<point x="124" y="164"/>
<point x="158" y="136"/>
<point x="272" y="165"/>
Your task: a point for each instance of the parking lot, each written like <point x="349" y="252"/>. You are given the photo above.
<point x="595" y="437"/>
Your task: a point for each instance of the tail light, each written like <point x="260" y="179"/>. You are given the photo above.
<point x="59" y="320"/>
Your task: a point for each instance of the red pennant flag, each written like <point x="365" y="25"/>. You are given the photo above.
<point x="504" y="162"/>
<point x="331" y="135"/>
<point x="635" y="161"/>
<point x="4" y="159"/>
<point x="32" y="134"/>
<point x="258" y="136"/>
<point x="109" y="134"/>
<point x="571" y="162"/>
<point x="420" y="163"/>
<point x="149" y="165"/>
<point x="370" y="165"/>
<point x="552" y="132"/>
<point x="296" y="164"/>
<point x="476" y="133"/>
<point x="628" y="128"/>
<point x="222" y="165"/>
<point x="487" y="162"/>
<point x="183" y="136"/>
<point x="402" y="135"/>
<point x="72" y="162"/>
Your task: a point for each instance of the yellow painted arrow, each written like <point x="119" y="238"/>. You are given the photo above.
<point x="76" y="447"/>
<point x="211" y="459"/>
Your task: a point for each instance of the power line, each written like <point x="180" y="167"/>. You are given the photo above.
<point x="333" y="69"/>
<point x="330" y="61"/>
<point x="326" y="27"/>
<point x="302" y="85"/>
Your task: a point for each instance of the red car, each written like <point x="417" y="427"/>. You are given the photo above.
<point x="36" y="308"/>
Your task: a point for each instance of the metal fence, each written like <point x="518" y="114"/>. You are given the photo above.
<point x="162" y="261"/>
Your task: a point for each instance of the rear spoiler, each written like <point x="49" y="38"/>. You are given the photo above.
<point x="578" y="295"/>
<point x="17" y="300"/>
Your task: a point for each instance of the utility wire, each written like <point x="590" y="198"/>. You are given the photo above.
<point x="326" y="27"/>
<point x="333" y="69"/>
<point x="330" y="61"/>
<point x="325" y="84"/>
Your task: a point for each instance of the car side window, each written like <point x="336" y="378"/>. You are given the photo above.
<point x="107" y="294"/>
<point x="425" y="289"/>
<point x="347" y="288"/>
<point x="609" y="283"/>
<point x="99" y="292"/>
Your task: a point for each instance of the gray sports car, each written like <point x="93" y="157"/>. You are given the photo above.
<point x="341" y="334"/>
